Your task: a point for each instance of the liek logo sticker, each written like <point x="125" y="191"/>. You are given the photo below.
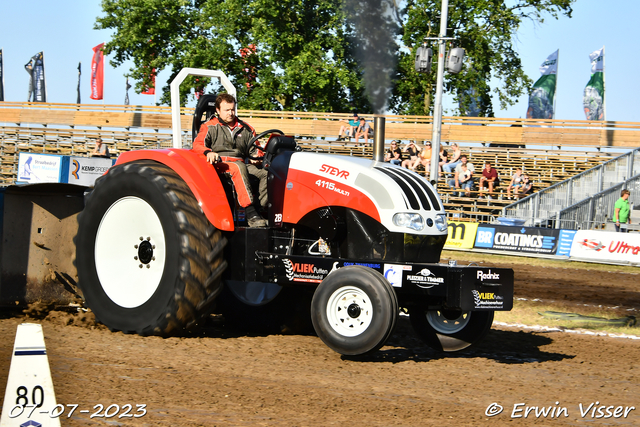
<point x="487" y="300"/>
<point x="303" y="272"/>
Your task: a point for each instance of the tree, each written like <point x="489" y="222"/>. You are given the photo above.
<point x="323" y="55"/>
<point x="300" y="58"/>
<point x="486" y="29"/>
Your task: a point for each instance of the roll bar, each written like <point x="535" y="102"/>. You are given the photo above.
<point x="175" y="96"/>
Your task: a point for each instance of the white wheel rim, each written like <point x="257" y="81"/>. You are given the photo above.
<point x="349" y="311"/>
<point x="441" y="324"/>
<point x="128" y="275"/>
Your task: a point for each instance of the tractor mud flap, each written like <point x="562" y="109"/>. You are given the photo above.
<point x="37" y="255"/>
<point x="469" y="288"/>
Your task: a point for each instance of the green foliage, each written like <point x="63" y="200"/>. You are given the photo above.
<point x="324" y="55"/>
<point x="485" y="29"/>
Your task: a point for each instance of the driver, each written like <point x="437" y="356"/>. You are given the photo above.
<point x="224" y="140"/>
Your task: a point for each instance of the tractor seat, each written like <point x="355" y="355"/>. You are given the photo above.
<point x="278" y="144"/>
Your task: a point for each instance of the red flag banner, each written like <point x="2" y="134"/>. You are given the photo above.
<point x="151" y="90"/>
<point x="97" y="72"/>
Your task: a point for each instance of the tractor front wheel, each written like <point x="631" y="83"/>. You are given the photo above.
<point x="354" y="310"/>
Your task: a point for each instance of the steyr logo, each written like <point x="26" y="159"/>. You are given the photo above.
<point x="331" y="170"/>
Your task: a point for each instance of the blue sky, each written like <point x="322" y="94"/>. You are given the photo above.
<point x="63" y="29"/>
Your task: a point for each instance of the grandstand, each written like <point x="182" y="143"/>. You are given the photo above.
<point x="555" y="150"/>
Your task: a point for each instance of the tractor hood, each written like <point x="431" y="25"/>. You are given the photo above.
<point x="401" y="200"/>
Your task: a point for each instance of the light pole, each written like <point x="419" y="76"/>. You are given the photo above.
<point x="437" y="106"/>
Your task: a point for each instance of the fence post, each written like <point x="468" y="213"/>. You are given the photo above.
<point x="600" y="179"/>
<point x="557" y="220"/>
<point x="570" y="190"/>
<point x="630" y="165"/>
<point x="590" y="217"/>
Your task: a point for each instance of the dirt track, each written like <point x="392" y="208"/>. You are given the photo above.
<point x="221" y="377"/>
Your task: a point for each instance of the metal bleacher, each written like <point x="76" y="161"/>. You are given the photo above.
<point x="555" y="150"/>
<point x="584" y="201"/>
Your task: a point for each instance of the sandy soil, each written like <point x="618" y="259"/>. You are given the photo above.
<point x="226" y="378"/>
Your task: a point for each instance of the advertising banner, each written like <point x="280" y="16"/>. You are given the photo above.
<point x="97" y="72"/>
<point x="151" y="90"/>
<point x="544" y="90"/>
<point x="593" y="100"/>
<point x="1" y="77"/>
<point x="566" y="240"/>
<point x="84" y="170"/>
<point x="517" y="239"/>
<point x="35" y="168"/>
<point x="78" y="100"/>
<point x="606" y="246"/>
<point x="461" y="235"/>
<point x="37" y="84"/>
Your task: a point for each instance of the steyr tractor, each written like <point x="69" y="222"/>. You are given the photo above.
<point x="161" y="243"/>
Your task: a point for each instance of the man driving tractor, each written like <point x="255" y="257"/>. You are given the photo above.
<point x="224" y="140"/>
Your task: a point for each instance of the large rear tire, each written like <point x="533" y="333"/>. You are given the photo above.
<point x="450" y="330"/>
<point x="148" y="260"/>
<point x="354" y="310"/>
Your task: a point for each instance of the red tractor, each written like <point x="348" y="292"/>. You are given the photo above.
<point x="350" y="241"/>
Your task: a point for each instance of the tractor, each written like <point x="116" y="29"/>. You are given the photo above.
<point x="350" y="243"/>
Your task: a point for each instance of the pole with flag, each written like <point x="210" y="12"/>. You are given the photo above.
<point x="79" y="74"/>
<point x="1" y="77"/>
<point x="541" y="104"/>
<point x="37" y="82"/>
<point x="97" y="73"/>
<point x="126" y="92"/>
<point x="594" y="92"/>
<point x="151" y="90"/>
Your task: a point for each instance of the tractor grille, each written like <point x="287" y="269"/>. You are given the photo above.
<point x="415" y="189"/>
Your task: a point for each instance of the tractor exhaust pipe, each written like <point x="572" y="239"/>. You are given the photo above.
<point x="378" y="138"/>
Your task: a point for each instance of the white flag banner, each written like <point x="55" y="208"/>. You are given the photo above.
<point x="597" y="61"/>
<point x="593" y="100"/>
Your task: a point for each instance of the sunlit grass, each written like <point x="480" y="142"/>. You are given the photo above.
<point x="528" y="313"/>
<point x="483" y="258"/>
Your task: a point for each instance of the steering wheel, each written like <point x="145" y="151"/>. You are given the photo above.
<point x="253" y="142"/>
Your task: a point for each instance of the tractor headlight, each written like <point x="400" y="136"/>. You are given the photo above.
<point x="441" y="222"/>
<point x="413" y="221"/>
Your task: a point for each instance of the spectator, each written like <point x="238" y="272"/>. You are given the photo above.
<point x="525" y="189"/>
<point x="455" y="159"/>
<point x="468" y="167"/>
<point x="463" y="179"/>
<point x="100" y="150"/>
<point x="412" y="152"/>
<point x="488" y="179"/>
<point x="393" y="154"/>
<point x="516" y="182"/>
<point x="622" y="210"/>
<point x="348" y="128"/>
<point x="424" y="158"/>
<point x="364" y="129"/>
<point x="443" y="159"/>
